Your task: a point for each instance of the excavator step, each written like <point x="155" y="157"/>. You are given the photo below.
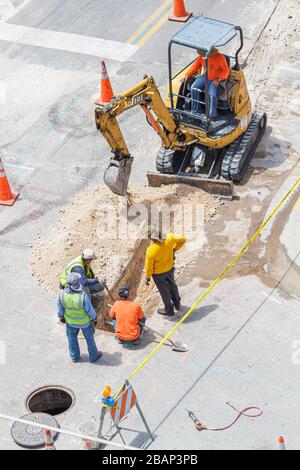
<point x="219" y="187"/>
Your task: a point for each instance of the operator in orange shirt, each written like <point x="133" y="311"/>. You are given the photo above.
<point x="128" y="318"/>
<point x="218" y="70"/>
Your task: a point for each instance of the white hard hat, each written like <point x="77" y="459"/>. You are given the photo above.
<point x="89" y="254"/>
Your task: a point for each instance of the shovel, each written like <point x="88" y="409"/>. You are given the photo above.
<point x="109" y="292"/>
<point x="176" y="345"/>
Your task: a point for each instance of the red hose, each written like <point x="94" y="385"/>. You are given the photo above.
<point x="201" y="427"/>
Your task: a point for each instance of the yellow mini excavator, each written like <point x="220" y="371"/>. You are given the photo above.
<point x="209" y="153"/>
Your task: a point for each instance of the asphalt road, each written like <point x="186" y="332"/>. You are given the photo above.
<point x="52" y="151"/>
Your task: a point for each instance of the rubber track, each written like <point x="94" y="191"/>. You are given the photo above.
<point x="240" y="153"/>
<point x="167" y="161"/>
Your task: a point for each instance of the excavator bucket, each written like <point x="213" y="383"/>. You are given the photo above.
<point x="117" y="175"/>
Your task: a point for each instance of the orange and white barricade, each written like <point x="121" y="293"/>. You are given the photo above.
<point x="124" y="403"/>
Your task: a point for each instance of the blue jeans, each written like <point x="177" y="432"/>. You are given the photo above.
<point x="94" y="289"/>
<point x="88" y="333"/>
<point x="199" y="84"/>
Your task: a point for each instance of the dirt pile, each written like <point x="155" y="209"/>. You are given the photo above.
<point x="93" y="220"/>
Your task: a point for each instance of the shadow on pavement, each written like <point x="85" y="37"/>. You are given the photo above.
<point x="107" y="359"/>
<point x="141" y="441"/>
<point x="147" y="339"/>
<point x="198" y="313"/>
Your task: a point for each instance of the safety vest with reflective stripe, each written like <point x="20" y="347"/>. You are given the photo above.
<point x="74" y="308"/>
<point x="76" y="263"/>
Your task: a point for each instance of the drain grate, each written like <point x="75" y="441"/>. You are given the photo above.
<point x="30" y="437"/>
<point x="51" y="400"/>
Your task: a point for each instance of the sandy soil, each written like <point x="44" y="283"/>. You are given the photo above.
<point x="89" y="221"/>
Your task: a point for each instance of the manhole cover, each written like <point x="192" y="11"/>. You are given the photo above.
<point x="29" y="436"/>
<point x="52" y="400"/>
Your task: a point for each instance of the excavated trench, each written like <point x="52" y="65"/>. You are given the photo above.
<point x="133" y="276"/>
<point x="93" y="220"/>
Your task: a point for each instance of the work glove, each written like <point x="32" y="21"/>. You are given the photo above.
<point x="101" y="281"/>
<point x="95" y="323"/>
<point x="62" y="321"/>
<point x="147" y="281"/>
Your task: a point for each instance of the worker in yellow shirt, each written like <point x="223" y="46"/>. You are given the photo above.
<point x="160" y="266"/>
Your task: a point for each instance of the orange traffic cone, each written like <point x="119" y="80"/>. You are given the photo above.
<point x="106" y="91"/>
<point x="281" y="443"/>
<point x="7" y="198"/>
<point x="49" y="443"/>
<point x="180" y="14"/>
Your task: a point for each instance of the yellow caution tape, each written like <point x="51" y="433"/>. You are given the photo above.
<point x="213" y="285"/>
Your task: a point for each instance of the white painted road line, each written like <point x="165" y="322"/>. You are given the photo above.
<point x="7" y="9"/>
<point x="271" y="298"/>
<point x="67" y="42"/>
<point x="21" y="167"/>
<point x="295" y="296"/>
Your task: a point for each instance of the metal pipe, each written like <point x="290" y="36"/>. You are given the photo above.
<point x="207" y="99"/>
<point x="237" y="65"/>
<point x="65" y="431"/>
<point x="170" y="75"/>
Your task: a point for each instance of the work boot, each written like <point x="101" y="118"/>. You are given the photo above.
<point x="99" y="357"/>
<point x="177" y="307"/>
<point x="162" y="311"/>
<point x="76" y="360"/>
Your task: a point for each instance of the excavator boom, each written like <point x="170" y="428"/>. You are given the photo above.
<point x="146" y="95"/>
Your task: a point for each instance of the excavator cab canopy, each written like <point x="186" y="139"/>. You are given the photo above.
<point x="205" y="34"/>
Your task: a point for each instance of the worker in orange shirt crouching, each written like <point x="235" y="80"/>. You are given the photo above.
<point x="128" y="318"/>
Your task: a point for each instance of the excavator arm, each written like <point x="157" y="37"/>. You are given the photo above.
<point x="146" y="95"/>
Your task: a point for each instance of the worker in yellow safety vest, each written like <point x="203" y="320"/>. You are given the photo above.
<point x="75" y="309"/>
<point x="82" y="265"/>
